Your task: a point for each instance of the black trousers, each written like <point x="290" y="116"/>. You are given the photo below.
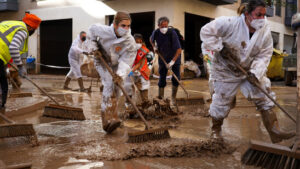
<point x="3" y="82"/>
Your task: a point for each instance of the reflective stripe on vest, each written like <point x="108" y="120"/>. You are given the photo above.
<point x="7" y="32"/>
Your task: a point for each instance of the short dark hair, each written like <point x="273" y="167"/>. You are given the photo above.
<point x="82" y="32"/>
<point x="163" y="19"/>
<point x="138" y="36"/>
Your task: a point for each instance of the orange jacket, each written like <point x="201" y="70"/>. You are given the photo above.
<point x="140" y="62"/>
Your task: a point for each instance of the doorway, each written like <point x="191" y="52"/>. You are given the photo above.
<point x="55" y="42"/>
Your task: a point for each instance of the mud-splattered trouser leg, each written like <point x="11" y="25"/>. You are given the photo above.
<point x="253" y="94"/>
<point x="222" y="98"/>
<point x="4" y="84"/>
<point x="109" y="89"/>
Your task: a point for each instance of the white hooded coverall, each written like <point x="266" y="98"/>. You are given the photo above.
<point x="122" y="52"/>
<point x="252" y="54"/>
<point x="74" y="58"/>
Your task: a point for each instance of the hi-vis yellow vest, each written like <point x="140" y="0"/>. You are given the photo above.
<point x="8" y="30"/>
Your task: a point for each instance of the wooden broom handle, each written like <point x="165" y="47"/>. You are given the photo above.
<point x="174" y="75"/>
<point x="101" y="49"/>
<point x="260" y="88"/>
<point x="42" y="90"/>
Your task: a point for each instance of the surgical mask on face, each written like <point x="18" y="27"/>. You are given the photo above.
<point x="163" y="30"/>
<point x="31" y="32"/>
<point x="258" y="23"/>
<point x="121" y="31"/>
<point x="83" y="39"/>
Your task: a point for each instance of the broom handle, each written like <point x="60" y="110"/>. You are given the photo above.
<point x="14" y="83"/>
<point x="260" y="88"/>
<point x="119" y="85"/>
<point x="166" y="64"/>
<point x="42" y="90"/>
<point x="6" y="118"/>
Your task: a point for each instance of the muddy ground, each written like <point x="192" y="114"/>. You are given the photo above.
<point x="68" y="144"/>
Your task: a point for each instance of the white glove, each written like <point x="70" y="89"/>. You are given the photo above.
<point x="7" y="72"/>
<point x="22" y="70"/>
<point x="170" y="64"/>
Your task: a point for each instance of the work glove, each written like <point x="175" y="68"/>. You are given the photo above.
<point x="206" y="58"/>
<point x="252" y="78"/>
<point x="225" y="52"/>
<point x="170" y="64"/>
<point x="85" y="53"/>
<point x="22" y="71"/>
<point x="7" y="72"/>
<point x="130" y="74"/>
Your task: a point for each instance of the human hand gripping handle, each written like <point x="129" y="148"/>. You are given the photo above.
<point x="170" y="64"/>
<point x="253" y="80"/>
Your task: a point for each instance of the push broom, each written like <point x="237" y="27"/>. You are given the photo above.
<point x="14" y="129"/>
<point x="139" y="136"/>
<point x="268" y="155"/>
<point x="56" y="110"/>
<point x="19" y="93"/>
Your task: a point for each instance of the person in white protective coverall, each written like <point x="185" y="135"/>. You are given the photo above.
<point x="120" y="45"/>
<point x="74" y="60"/>
<point x="247" y="38"/>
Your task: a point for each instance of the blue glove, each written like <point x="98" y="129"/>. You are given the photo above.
<point x="130" y="74"/>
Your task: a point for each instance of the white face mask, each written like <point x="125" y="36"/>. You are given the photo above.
<point x="258" y="23"/>
<point x="121" y="31"/>
<point x="163" y="30"/>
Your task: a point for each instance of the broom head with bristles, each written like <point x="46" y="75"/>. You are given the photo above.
<point x="148" y="135"/>
<point x="16" y="130"/>
<point x="63" y="112"/>
<point x="267" y="155"/>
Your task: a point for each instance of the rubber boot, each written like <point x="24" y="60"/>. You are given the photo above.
<point x="80" y="83"/>
<point x="144" y="96"/>
<point x="216" y="128"/>
<point x="173" y="97"/>
<point x="161" y="92"/>
<point x="271" y="123"/>
<point x="105" y="122"/>
<point x="114" y="122"/>
<point x="67" y="82"/>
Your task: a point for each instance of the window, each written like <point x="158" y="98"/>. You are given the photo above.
<point x="278" y="7"/>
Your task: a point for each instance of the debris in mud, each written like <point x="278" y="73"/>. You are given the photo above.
<point x="157" y="109"/>
<point x="163" y="148"/>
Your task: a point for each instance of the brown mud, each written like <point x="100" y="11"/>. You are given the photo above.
<point x="68" y="144"/>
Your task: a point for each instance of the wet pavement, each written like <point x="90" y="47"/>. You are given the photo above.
<point x="68" y="144"/>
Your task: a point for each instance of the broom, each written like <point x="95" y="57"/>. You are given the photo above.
<point x="19" y="93"/>
<point x="140" y="136"/>
<point x="269" y="155"/>
<point x="14" y="130"/>
<point x="56" y="110"/>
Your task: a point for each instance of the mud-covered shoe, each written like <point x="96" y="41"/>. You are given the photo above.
<point x="216" y="129"/>
<point x="113" y="125"/>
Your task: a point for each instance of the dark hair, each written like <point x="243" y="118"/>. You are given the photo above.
<point x="82" y="32"/>
<point x="250" y="6"/>
<point x="163" y="19"/>
<point x="138" y="36"/>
